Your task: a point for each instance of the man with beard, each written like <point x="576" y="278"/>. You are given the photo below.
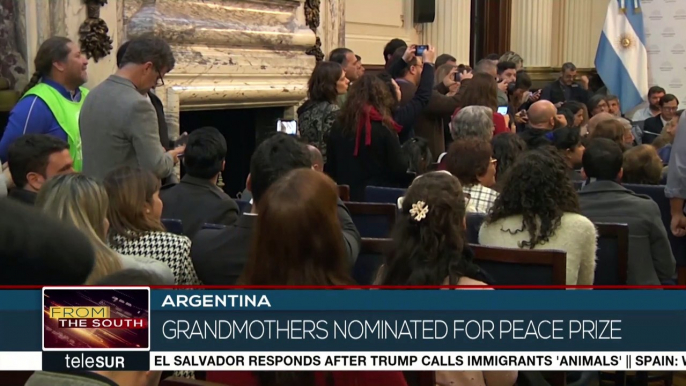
<point x="655" y="93"/>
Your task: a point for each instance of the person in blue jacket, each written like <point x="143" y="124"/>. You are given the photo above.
<point x="50" y="110"/>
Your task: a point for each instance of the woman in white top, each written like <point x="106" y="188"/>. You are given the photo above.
<point x="82" y="202"/>
<point x="429" y="249"/>
<point x="539" y="209"/>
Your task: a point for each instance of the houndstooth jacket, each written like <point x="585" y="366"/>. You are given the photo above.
<point x="174" y="250"/>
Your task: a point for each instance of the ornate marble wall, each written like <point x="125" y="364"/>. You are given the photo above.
<point x="12" y="64"/>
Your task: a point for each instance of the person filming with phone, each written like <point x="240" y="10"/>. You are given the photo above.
<point x="566" y="88"/>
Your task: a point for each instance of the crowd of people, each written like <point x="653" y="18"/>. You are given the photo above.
<point x="91" y="177"/>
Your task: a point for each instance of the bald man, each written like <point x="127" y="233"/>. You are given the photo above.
<point x="317" y="159"/>
<point x="542" y="118"/>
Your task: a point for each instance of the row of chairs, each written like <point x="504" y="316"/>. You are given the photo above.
<point x="521" y="266"/>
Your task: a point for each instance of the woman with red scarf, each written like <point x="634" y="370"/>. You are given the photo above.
<point x="363" y="147"/>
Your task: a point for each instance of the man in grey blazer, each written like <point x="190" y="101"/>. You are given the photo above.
<point x="604" y="200"/>
<point x="118" y="122"/>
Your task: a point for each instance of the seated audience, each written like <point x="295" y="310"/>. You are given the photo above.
<point x="316" y="158"/>
<point x="596" y="105"/>
<point x="292" y="256"/>
<point x="566" y="88"/>
<point x="37" y="249"/>
<point x="611" y="129"/>
<point x="197" y="199"/>
<point x="219" y="255"/>
<point x="542" y="120"/>
<point x="568" y="143"/>
<point x="418" y="155"/>
<point x="642" y="165"/>
<point x="318" y="113"/>
<point x="135" y="214"/>
<point x="507" y="148"/>
<point x="605" y="200"/>
<point x="429" y="249"/>
<point x="471" y="161"/>
<point x="363" y="147"/>
<point x="652" y="127"/>
<point x="95" y="378"/>
<point x="82" y="202"/>
<point x="655" y="94"/>
<point x="613" y="106"/>
<point x="32" y="160"/>
<point x="482" y="90"/>
<point x="539" y="209"/>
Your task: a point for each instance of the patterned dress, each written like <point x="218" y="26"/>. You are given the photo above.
<point x="174" y="250"/>
<point x="314" y="121"/>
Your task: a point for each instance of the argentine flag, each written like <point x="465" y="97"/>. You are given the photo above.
<point x="622" y="59"/>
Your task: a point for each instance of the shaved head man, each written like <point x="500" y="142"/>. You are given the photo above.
<point x="316" y="157"/>
<point x="542" y="115"/>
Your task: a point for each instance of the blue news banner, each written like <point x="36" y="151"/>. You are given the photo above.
<point x="342" y="330"/>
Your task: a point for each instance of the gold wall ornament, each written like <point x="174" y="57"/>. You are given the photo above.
<point x="95" y="42"/>
<point x="312" y="20"/>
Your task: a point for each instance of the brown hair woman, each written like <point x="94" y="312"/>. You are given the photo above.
<point x="136" y="228"/>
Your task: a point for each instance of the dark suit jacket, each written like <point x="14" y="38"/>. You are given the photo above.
<point x="196" y="201"/>
<point x="554" y="93"/>
<point x="650" y="255"/>
<point x="220" y="255"/>
<point x="652" y="125"/>
<point x="23" y="196"/>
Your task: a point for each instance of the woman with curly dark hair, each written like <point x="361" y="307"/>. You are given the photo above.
<point x="539" y="209"/>
<point x="507" y="148"/>
<point x="429" y="248"/>
<point x="363" y="147"/>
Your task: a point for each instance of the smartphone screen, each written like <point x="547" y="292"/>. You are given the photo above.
<point x="502" y="110"/>
<point x="420" y="50"/>
<point x="289" y="127"/>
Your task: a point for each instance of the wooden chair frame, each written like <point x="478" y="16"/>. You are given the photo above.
<point x="556" y="259"/>
<point x="621" y="233"/>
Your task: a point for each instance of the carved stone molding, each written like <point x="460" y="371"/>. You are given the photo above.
<point x="312" y="19"/>
<point x="229" y="54"/>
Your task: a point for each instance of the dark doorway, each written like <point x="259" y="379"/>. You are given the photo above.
<point x="490" y="28"/>
<point x="243" y="130"/>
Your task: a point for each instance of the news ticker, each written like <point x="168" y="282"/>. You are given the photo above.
<point x="342" y="361"/>
<point x="96" y="328"/>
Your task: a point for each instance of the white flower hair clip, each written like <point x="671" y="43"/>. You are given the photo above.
<point x="419" y="211"/>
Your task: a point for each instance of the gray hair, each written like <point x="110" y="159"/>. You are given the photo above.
<point x="485" y="66"/>
<point x="569" y="66"/>
<point x="473" y="121"/>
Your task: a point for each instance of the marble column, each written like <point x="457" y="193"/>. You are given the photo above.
<point x="331" y="29"/>
<point x="450" y="32"/>
<point x="532" y="31"/>
<point x="578" y="42"/>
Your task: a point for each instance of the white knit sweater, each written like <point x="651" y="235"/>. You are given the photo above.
<point x="576" y="235"/>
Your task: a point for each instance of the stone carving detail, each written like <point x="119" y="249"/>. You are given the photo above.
<point x="95" y="42"/>
<point x="312" y="20"/>
<point x="13" y="67"/>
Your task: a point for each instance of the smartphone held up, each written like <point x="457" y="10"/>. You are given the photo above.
<point x="289" y="127"/>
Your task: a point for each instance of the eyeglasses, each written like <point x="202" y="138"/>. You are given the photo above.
<point x="665" y="108"/>
<point x="160" y="78"/>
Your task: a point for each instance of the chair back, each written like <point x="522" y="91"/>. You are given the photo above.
<point x="681" y="275"/>
<point x="242" y="205"/>
<point x="370" y="259"/>
<point x="344" y="192"/>
<point x="657" y="193"/>
<point x="612" y="255"/>
<point x="213" y="226"/>
<point x="15" y="378"/>
<point x="372" y="220"/>
<point x="578" y="185"/>
<point x="173" y="225"/>
<point x="383" y="195"/>
<point x="522" y="266"/>
<point x="420" y="378"/>
<point x="474" y="221"/>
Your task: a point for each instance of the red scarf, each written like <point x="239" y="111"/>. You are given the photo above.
<point x="370" y="114"/>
